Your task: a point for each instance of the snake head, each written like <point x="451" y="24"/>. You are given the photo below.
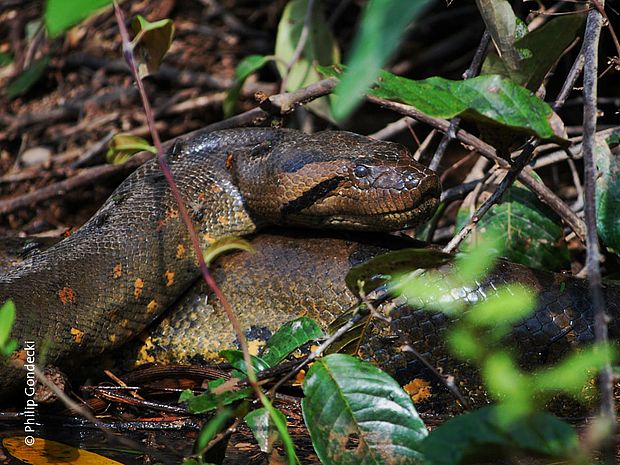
<point x="339" y="179"/>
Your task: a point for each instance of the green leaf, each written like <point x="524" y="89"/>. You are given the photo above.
<point x="226" y="244"/>
<point x="378" y="270"/>
<point x="490" y="100"/>
<point x="349" y="342"/>
<point x="245" y="68"/>
<point x="154" y="39"/>
<point x="212" y="428"/>
<point x="235" y="358"/>
<point x="263" y="427"/>
<point x="509" y="304"/>
<point x="506" y="382"/>
<point x="7" y="318"/>
<point x="572" y="374"/>
<point x="529" y="231"/>
<point x="62" y="14"/>
<point x="358" y="414"/>
<point x="320" y="49"/>
<point x="465" y="344"/>
<point x="608" y="190"/>
<point x="478" y="437"/>
<point x="208" y="401"/>
<point x="377" y="38"/>
<point x="5" y="59"/>
<point x="433" y="290"/>
<point x="289" y="337"/>
<point x="123" y="146"/>
<point x="501" y="23"/>
<point x="537" y="57"/>
<point x="20" y="84"/>
<point x="477" y="261"/>
<point x="279" y="421"/>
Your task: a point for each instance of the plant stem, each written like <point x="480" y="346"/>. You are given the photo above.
<point x="590" y="51"/>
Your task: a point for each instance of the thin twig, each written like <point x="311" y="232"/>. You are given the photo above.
<point x="454" y="123"/>
<point x="391" y="129"/>
<point x="319" y="350"/>
<point x="447" y="381"/>
<point x="58" y="189"/>
<point x="505" y="183"/>
<point x="600" y="6"/>
<point x="526" y="176"/>
<point x="65" y="399"/>
<point x="165" y="168"/>
<point x="278" y="104"/>
<point x="590" y="49"/>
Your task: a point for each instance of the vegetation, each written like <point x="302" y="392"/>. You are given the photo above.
<point x="354" y="412"/>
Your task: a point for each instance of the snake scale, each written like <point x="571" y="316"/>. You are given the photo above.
<point x="237" y="182"/>
<point x="105" y="283"/>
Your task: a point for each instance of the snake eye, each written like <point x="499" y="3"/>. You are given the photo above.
<point x="361" y="171"/>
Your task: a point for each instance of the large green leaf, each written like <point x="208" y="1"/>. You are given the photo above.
<point x="382" y="26"/>
<point x="481" y="435"/>
<point x="290" y="336"/>
<point x="62" y="14"/>
<point x="536" y="56"/>
<point x="530" y="231"/>
<point x="357" y="414"/>
<point x="607" y="155"/>
<point x="484" y="99"/>
<point x="320" y="49"/>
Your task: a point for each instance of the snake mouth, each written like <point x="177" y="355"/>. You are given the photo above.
<point x="419" y="207"/>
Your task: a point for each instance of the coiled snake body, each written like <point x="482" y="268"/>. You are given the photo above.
<point x="105" y="283"/>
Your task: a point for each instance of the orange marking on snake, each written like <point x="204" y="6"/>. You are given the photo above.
<point x="152" y="306"/>
<point x="117" y="271"/>
<point x="169" y="277"/>
<point x="419" y="390"/>
<point x="67" y="296"/>
<point x="138" y="285"/>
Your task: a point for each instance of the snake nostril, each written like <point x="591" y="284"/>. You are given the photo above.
<point x="412" y="183"/>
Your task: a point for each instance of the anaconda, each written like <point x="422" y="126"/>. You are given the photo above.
<point x="110" y="279"/>
<point x="296" y="274"/>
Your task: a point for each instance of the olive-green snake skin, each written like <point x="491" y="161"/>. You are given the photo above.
<point x="292" y="274"/>
<point x="115" y="275"/>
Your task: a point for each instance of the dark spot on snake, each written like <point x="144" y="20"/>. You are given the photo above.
<point x="198" y="215"/>
<point x="311" y="196"/>
<point x="177" y="149"/>
<point x="262" y="149"/>
<point x="258" y="332"/>
<point x="363" y="254"/>
<point x="301" y="159"/>
<point x="101" y="219"/>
